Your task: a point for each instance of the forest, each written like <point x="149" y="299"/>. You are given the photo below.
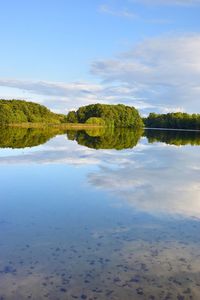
<point x="176" y="120"/>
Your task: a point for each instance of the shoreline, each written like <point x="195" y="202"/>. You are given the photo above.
<point x="83" y="126"/>
<point x="170" y="129"/>
<point x="61" y="126"/>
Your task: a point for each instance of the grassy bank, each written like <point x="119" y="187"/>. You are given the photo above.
<point x="76" y="126"/>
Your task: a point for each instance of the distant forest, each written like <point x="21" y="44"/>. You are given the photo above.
<point x="176" y="120"/>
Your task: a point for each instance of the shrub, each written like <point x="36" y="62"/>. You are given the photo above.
<point x="95" y="121"/>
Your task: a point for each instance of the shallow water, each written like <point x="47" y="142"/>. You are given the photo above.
<point x="88" y="215"/>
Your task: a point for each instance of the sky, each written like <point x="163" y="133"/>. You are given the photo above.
<point x="65" y="54"/>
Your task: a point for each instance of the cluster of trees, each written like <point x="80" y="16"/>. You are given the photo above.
<point x="176" y="120"/>
<point x="177" y="138"/>
<point x="19" y="111"/>
<point x="113" y="138"/>
<point x="111" y="115"/>
<point x="26" y="137"/>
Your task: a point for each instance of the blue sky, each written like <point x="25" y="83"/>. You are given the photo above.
<point x="70" y="53"/>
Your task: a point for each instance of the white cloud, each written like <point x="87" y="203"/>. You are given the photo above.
<point x="165" y="70"/>
<point x="168" y="61"/>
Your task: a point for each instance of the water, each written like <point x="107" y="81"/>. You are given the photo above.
<point x="99" y="215"/>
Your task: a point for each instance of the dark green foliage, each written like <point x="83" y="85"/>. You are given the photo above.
<point x="173" y="120"/>
<point x="72" y="117"/>
<point x="114" y="115"/>
<point x="19" y="111"/>
<point x="109" y="139"/>
<point x="11" y="137"/>
<point x="173" y="137"/>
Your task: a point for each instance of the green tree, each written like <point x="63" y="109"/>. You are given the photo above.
<point x="72" y="117"/>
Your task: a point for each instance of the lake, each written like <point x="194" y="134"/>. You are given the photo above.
<point x="99" y="215"/>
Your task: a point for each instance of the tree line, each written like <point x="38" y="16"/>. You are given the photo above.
<point x="176" y="120"/>
<point x="105" y="115"/>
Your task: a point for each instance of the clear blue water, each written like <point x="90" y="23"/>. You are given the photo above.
<point x="82" y="223"/>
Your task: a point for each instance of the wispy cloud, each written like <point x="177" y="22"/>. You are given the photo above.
<point x="51" y="88"/>
<point x="168" y="2"/>
<point x="128" y="14"/>
<point x="62" y="97"/>
<point x="123" y="12"/>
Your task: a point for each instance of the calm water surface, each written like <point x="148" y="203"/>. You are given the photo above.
<point x="95" y="215"/>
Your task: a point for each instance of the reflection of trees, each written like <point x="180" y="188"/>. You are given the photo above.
<point x="107" y="139"/>
<point x="11" y="137"/>
<point x="97" y="138"/>
<point x="173" y="137"/>
<point x="97" y="131"/>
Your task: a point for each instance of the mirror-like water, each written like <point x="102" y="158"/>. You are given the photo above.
<point x="99" y="214"/>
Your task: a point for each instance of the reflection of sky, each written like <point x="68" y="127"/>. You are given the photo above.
<point x="157" y="179"/>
